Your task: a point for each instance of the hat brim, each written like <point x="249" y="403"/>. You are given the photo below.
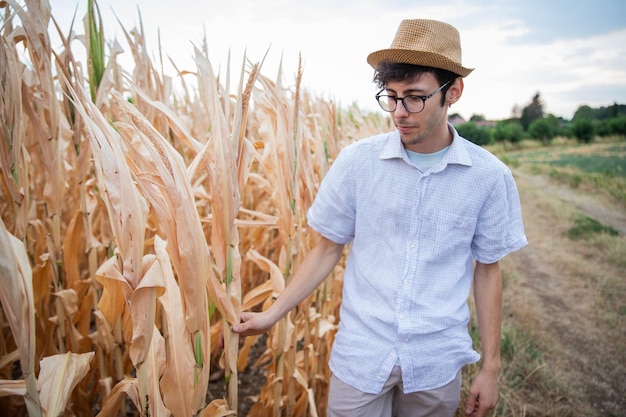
<point x="422" y="58"/>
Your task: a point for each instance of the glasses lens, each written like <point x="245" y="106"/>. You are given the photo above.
<point x="387" y="103"/>
<point x="414" y="104"/>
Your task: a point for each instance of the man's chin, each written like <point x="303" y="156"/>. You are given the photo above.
<point x="410" y="140"/>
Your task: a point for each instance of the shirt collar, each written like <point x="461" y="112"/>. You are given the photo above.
<point x="457" y="154"/>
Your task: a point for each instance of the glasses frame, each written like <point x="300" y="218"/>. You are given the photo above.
<point x="396" y="99"/>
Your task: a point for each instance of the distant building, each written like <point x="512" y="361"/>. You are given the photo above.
<point x="456" y="119"/>
<point x="485" y="123"/>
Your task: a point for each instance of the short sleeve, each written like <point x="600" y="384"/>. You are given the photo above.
<point x="333" y="211"/>
<point x="500" y="226"/>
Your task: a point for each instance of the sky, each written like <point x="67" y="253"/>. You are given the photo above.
<point x="572" y="53"/>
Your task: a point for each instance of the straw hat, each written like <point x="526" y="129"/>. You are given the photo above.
<point x="424" y="42"/>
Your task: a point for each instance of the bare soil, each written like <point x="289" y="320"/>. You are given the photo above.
<point x="251" y="380"/>
<point x="572" y="297"/>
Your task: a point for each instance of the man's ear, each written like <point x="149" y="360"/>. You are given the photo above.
<point x="455" y="91"/>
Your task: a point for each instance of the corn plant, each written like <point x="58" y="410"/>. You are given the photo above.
<point x="138" y="221"/>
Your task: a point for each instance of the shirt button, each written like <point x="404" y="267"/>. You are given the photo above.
<point x="404" y="281"/>
<point x="401" y="316"/>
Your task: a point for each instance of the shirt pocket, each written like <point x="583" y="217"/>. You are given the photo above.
<point x="447" y="232"/>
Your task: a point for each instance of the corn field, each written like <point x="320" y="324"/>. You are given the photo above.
<point x="138" y="220"/>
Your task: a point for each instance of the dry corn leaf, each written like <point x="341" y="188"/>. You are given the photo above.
<point x="310" y="395"/>
<point x="143" y="308"/>
<point x="257" y="295"/>
<point x="11" y="131"/>
<point x="263" y="219"/>
<point x="69" y="300"/>
<point x="58" y="376"/>
<point x="218" y="408"/>
<point x="103" y="336"/>
<point x="10" y="387"/>
<point x="69" y="303"/>
<point x="244" y="353"/>
<point x="155" y="367"/>
<point x="171" y="196"/>
<point x="276" y="276"/>
<point x="73" y="246"/>
<point x="83" y="320"/>
<point x="9" y="357"/>
<point x="281" y="335"/>
<point x="127" y="211"/>
<point x="34" y="23"/>
<point x="278" y="157"/>
<point x="177" y="382"/>
<point x="16" y="297"/>
<point x="174" y="120"/>
<point x="127" y="387"/>
<point x="126" y="208"/>
<point x="116" y="290"/>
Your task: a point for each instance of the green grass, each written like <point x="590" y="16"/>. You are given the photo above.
<point x="596" y="167"/>
<point x="585" y="227"/>
<point x="610" y="165"/>
<point x="603" y="158"/>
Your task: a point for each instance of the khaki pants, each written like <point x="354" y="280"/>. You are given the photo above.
<point x="346" y="401"/>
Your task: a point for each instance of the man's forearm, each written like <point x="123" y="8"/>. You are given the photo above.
<point x="316" y="266"/>
<point x="488" y="300"/>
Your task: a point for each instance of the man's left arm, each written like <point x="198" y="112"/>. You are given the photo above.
<point x="483" y="394"/>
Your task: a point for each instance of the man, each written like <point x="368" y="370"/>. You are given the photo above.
<point x="427" y="214"/>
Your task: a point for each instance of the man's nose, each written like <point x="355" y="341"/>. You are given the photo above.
<point x="400" y="109"/>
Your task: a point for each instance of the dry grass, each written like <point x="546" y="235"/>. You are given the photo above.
<point x="564" y="325"/>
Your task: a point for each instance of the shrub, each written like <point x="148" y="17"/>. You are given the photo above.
<point x="479" y="135"/>
<point x="508" y="130"/>
<point x="617" y="125"/>
<point x="583" y="130"/>
<point x="543" y="129"/>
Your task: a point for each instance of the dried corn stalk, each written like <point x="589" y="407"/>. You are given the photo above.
<point x="133" y="211"/>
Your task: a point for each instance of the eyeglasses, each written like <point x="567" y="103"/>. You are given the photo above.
<point x="412" y="104"/>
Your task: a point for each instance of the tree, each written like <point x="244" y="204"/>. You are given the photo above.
<point x="510" y="130"/>
<point x="516" y="112"/>
<point x="543" y="129"/>
<point x="582" y="129"/>
<point x="479" y="135"/>
<point x="477" y="118"/>
<point x="617" y="125"/>
<point x="612" y="126"/>
<point x="602" y="128"/>
<point x="584" y="112"/>
<point x="532" y="112"/>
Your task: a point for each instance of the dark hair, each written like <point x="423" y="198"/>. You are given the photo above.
<point x="406" y="73"/>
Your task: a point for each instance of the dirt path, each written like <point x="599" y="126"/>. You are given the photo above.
<point x="561" y="288"/>
<point x="594" y="206"/>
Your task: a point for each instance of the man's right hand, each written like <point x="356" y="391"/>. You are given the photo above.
<point x="253" y="323"/>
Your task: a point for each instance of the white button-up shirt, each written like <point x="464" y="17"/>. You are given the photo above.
<point x="414" y="237"/>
